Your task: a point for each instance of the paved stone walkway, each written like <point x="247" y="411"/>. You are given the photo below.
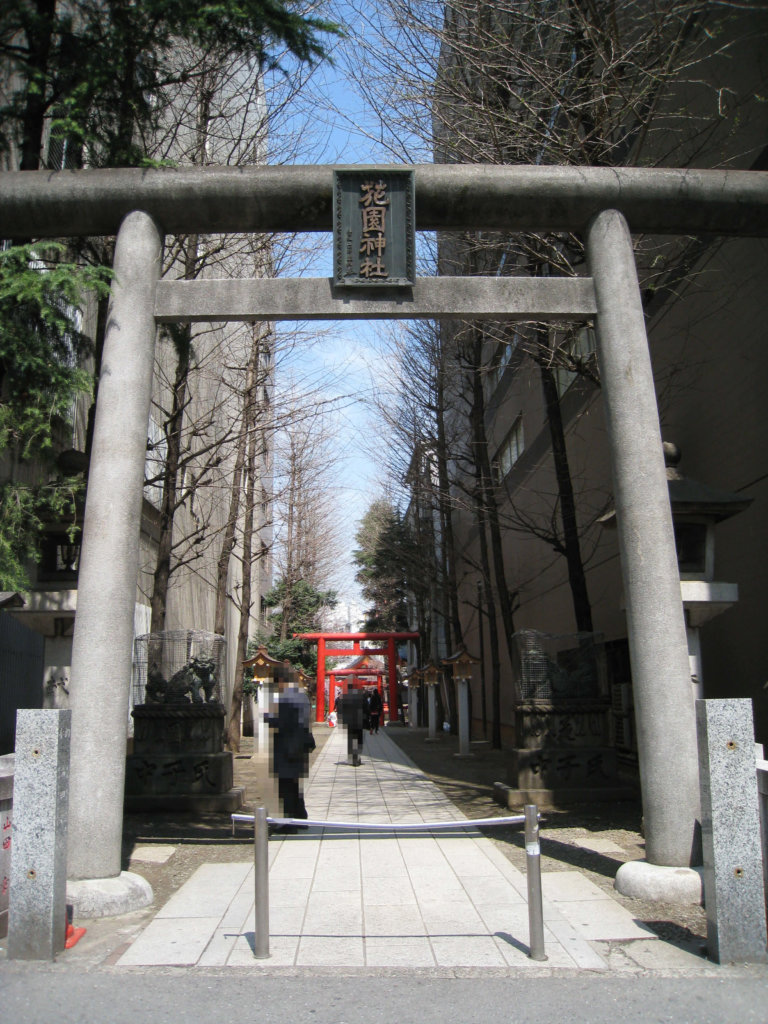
<point x="350" y="899"/>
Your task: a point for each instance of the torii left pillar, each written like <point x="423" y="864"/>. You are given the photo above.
<point x="102" y="650"/>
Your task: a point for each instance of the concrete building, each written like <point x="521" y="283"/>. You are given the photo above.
<point x="210" y="397"/>
<point x="706" y="329"/>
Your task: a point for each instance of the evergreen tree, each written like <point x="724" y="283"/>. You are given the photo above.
<point x="90" y="82"/>
<point x="389" y="566"/>
<point x="41" y="345"/>
<point x="97" y="69"/>
<point x="304" y="616"/>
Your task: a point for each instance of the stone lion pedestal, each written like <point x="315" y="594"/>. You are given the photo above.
<point x="562" y="752"/>
<point x="179" y="762"/>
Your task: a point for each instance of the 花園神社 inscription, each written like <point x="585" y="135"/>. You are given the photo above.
<point x="374" y="228"/>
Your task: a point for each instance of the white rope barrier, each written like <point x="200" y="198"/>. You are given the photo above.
<point x="368" y="826"/>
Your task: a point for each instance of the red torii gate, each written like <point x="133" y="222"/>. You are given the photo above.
<point x="390" y="652"/>
<point x="354" y="675"/>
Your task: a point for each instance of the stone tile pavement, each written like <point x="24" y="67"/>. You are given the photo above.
<point x="384" y="900"/>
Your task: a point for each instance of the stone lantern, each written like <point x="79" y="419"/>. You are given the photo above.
<point x="263" y="669"/>
<point x="431" y="677"/>
<point x="696" y="509"/>
<point x="414" y="679"/>
<point x="462" y="672"/>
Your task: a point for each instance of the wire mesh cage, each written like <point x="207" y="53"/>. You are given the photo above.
<point x="559" y="667"/>
<point x="178" y="667"/>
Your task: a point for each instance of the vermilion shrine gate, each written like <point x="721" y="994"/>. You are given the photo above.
<point x="389" y="651"/>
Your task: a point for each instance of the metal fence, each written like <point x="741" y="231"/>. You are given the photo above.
<point x="261" y="822"/>
<point x="181" y="666"/>
<point x="559" y="667"/>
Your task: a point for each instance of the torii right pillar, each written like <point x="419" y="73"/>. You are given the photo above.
<point x="394" y="714"/>
<point x="663" y="692"/>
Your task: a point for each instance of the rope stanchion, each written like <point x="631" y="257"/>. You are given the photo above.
<point x="261" y="884"/>
<point x="533" y="878"/>
<point x="261" y="822"/>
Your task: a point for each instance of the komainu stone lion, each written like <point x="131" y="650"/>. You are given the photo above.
<point x="185" y="685"/>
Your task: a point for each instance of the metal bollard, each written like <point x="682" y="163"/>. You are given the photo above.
<point x="261" y="879"/>
<point x="533" y="876"/>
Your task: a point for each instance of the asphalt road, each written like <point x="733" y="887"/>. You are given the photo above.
<point x="41" y="993"/>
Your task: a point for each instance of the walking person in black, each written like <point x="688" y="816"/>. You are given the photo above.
<point x="292" y="743"/>
<point x="352" y="712"/>
<point x="375" y="707"/>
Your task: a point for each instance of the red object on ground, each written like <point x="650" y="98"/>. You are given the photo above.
<point x="73" y="936"/>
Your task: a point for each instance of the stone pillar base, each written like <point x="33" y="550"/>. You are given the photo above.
<point x="658" y="883"/>
<point x="108" y="897"/>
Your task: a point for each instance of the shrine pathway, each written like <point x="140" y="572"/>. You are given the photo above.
<point x="405" y="900"/>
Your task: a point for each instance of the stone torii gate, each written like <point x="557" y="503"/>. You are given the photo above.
<point x="604" y="205"/>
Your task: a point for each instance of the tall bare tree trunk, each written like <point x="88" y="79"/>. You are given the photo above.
<point x="487" y="495"/>
<point x="450" y="585"/>
<point x="173" y="428"/>
<point x="181" y="338"/>
<point x="230" y="530"/>
<point x="576" y="575"/>
<point x="490" y="606"/>
<point x="40" y="40"/>
<point x="252" y="449"/>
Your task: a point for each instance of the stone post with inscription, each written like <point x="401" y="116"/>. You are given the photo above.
<point x="464" y="724"/>
<point x="6" y="822"/>
<point x="38" y="896"/>
<point x="432" y="709"/>
<point x="730" y="831"/>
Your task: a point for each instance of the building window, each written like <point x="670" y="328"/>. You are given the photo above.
<point x="509" y="452"/>
<point x="59" y="556"/>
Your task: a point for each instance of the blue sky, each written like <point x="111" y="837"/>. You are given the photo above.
<point x="346" y="353"/>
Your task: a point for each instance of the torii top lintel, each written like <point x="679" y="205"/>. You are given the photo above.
<point x="214" y="200"/>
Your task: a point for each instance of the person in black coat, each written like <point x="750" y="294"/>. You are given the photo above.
<point x="375" y="707"/>
<point x="291" y="746"/>
<point x="352" y="712"/>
